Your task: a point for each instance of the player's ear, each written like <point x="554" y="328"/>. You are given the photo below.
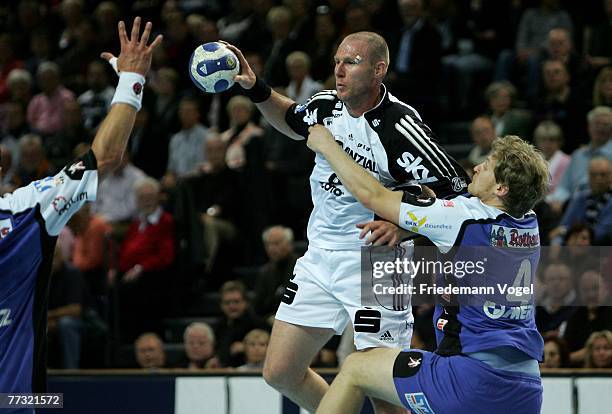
<point x="501" y="190"/>
<point x="380" y="70"/>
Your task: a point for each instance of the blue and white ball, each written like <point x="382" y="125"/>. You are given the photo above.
<point x="212" y="67"/>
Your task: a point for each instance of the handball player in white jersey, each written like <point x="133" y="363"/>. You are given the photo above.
<point x="387" y="138"/>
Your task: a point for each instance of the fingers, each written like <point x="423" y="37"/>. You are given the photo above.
<point x="123" y="39"/>
<point x="135" y="30"/>
<point x="145" y="35"/>
<point x="107" y="56"/>
<point x="156" y="42"/>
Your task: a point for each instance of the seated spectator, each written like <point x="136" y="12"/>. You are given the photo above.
<point x="199" y="340"/>
<point x="46" y="109"/>
<point x="548" y="137"/>
<point x="236" y="322"/>
<point x="255" y="347"/>
<point x="8" y="62"/>
<point x="592" y="206"/>
<point x="243" y="138"/>
<point x="559" y="301"/>
<point x="576" y="175"/>
<point x="186" y="151"/>
<point x="20" y="85"/>
<point x="148" y="145"/>
<point x="599" y="350"/>
<point x="33" y="164"/>
<point x="64" y="324"/>
<point x="270" y="284"/>
<point x="6" y="164"/>
<point x="116" y="200"/>
<point x="301" y="86"/>
<point x="90" y="252"/>
<point x="95" y="101"/>
<point x="165" y="102"/>
<point x="60" y="146"/>
<point x="598" y="51"/>
<point x="145" y="258"/>
<point x="483" y="134"/>
<point x="506" y="119"/>
<point x="149" y="350"/>
<point x="602" y="89"/>
<point x="555" y="353"/>
<point x="578" y="253"/>
<point x="593" y="314"/>
<point x="15" y="126"/>
<point x="559" y="101"/>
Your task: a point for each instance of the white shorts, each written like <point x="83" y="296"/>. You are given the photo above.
<point x="325" y="292"/>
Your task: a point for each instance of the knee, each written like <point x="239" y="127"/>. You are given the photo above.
<point x="281" y="375"/>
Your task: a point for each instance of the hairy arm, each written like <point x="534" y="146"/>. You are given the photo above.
<point x="363" y="186"/>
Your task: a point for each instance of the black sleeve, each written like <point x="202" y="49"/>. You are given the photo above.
<point x="313" y="111"/>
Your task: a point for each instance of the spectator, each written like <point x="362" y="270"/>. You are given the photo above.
<point x="255" y="346"/>
<point x="46" y="109"/>
<point x="15" y="127"/>
<point x="6" y="164"/>
<point x="417" y="52"/>
<point x="116" y="200"/>
<point x="301" y="85"/>
<point x="95" y="102"/>
<point x="555" y="353"/>
<point x="548" y="137"/>
<point x="483" y="134"/>
<point x="165" y="101"/>
<point x="558" y="304"/>
<point x="186" y="151"/>
<point x="279" y="21"/>
<point x="560" y="102"/>
<point x="236" y="322"/>
<point x="64" y="324"/>
<point x="598" y="50"/>
<point x="506" y="119"/>
<point x="270" y="284"/>
<point x="148" y="145"/>
<point x="321" y="48"/>
<point x="149" y="350"/>
<point x="593" y="206"/>
<point x="602" y="90"/>
<point x="576" y="174"/>
<point x="19" y="84"/>
<point x="599" y="350"/>
<point x="593" y="314"/>
<point x="243" y="138"/>
<point x="91" y="235"/>
<point x="199" y="340"/>
<point x="33" y="164"/>
<point x="145" y="258"/>
<point x="60" y="146"/>
<point x="8" y="62"/>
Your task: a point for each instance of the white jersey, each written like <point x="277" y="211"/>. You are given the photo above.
<point x="390" y="141"/>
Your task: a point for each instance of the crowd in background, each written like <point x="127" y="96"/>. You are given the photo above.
<point x="207" y="213"/>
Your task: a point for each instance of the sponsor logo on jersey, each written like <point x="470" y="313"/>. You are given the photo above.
<point x="332" y="184"/>
<point x="336" y="114"/>
<point x="301" y="107"/>
<point x="387" y="336"/>
<point x="514" y="238"/>
<point x="415" y="224"/>
<point x="62" y="205"/>
<point x="413" y="166"/>
<point x="448" y="203"/>
<point x="5" y="317"/>
<point x="338" y="105"/>
<point x="311" y="116"/>
<point x="418" y="403"/>
<point x="414" y="362"/>
<point x="47" y="183"/>
<point x="5" y="227"/>
<point x="458" y="184"/>
<point x="366" y="162"/>
<point x="496" y="311"/>
<point x="77" y="166"/>
<point x="441" y="323"/>
<point x="376" y="122"/>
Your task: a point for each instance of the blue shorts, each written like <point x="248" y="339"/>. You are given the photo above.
<point x="428" y="383"/>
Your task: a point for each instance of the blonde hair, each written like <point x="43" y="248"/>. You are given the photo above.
<point x="588" y="359"/>
<point x="548" y="129"/>
<point x="298" y="57"/>
<point x="522" y="168"/>
<point x="256" y="334"/>
<point x="598" y="98"/>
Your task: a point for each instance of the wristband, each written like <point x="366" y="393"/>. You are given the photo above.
<point x="259" y="92"/>
<point x="129" y="89"/>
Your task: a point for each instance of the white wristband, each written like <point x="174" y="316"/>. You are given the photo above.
<point x="129" y="89"/>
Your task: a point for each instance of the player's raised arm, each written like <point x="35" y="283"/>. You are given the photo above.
<point x="132" y="64"/>
<point x="364" y="187"/>
<point x="272" y="104"/>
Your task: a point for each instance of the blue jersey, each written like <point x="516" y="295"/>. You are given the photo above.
<point x="30" y="220"/>
<point x="508" y="248"/>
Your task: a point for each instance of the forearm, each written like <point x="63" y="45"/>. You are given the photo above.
<point x="112" y="137"/>
<point x="274" y="109"/>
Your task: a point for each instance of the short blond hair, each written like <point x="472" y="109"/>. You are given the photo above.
<point x="588" y="359"/>
<point x="256" y="334"/>
<point x="522" y="168"/>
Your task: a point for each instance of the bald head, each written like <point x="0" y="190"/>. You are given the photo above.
<point x="376" y="45"/>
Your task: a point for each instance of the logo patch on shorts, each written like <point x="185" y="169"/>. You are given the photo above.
<point x="418" y="403"/>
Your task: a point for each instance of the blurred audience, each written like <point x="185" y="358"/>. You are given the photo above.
<point x="555" y="353"/>
<point x="548" y="137"/>
<point x="255" y="347"/>
<point x="506" y="119"/>
<point x="483" y="135"/>
<point x="599" y="350"/>
<point x="149" y="351"/>
<point x="199" y="340"/>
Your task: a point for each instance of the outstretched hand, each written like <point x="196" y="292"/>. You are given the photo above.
<point x="135" y="55"/>
<point x="382" y="233"/>
<point x="319" y="137"/>
<point x="246" y="78"/>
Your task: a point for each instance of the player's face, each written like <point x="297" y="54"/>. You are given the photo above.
<point x="483" y="183"/>
<point x="354" y="71"/>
